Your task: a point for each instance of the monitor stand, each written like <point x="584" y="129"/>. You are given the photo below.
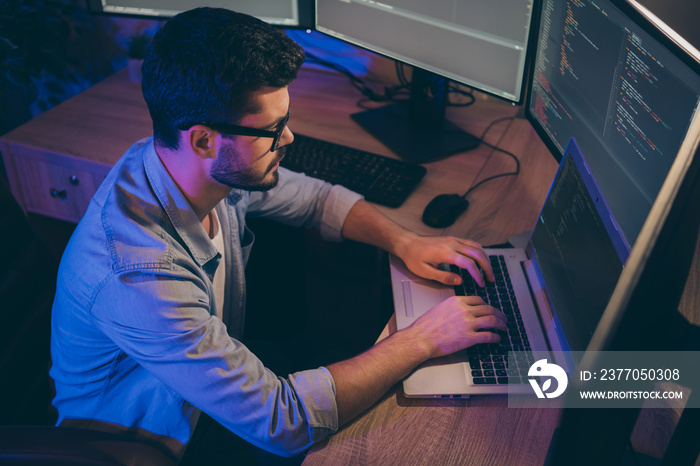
<point x="416" y="129"/>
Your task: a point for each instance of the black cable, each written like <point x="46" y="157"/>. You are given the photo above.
<point x="401" y="75"/>
<point x="389" y="94"/>
<point x="356" y="82"/>
<point x="363" y="103"/>
<point x="501" y="175"/>
<point x="471" y="97"/>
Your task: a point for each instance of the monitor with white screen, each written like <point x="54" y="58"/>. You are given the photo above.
<point x="480" y="43"/>
<point x="282" y="13"/>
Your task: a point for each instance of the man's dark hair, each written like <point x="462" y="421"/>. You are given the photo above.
<point x="205" y="63"/>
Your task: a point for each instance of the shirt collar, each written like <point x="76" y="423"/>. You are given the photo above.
<point x="177" y="208"/>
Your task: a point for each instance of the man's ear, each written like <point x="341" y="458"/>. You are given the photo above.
<point x="202" y="141"/>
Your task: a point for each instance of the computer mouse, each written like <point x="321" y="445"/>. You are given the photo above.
<point x="442" y="211"/>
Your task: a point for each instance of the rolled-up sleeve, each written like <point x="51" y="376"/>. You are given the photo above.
<point x="164" y="329"/>
<point x="315" y="387"/>
<point x="300" y="200"/>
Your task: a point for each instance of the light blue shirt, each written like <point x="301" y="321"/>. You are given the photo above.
<point x="135" y="343"/>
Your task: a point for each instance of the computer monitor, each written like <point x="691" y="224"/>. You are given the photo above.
<point x="480" y="43"/>
<point x="622" y="88"/>
<point x="651" y="78"/>
<point x="282" y="13"/>
<point x="642" y="315"/>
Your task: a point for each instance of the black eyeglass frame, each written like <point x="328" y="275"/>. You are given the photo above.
<point x="238" y="130"/>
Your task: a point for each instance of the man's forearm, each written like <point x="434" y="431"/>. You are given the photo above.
<point x="366" y="224"/>
<point x="362" y="380"/>
<point x="452" y="325"/>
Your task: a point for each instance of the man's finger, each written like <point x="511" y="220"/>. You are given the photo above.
<point x="490" y="322"/>
<point x="474" y="270"/>
<point x="447" y="278"/>
<point x="474" y="304"/>
<point x="468" y="257"/>
<point x="485" y="337"/>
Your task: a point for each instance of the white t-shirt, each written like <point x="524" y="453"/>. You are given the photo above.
<point x="220" y="274"/>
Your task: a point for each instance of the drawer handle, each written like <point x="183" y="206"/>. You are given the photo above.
<point x="61" y="194"/>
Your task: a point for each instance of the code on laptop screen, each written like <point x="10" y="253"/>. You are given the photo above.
<point x="576" y="256"/>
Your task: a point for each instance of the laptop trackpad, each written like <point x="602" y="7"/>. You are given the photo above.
<point x="419" y="297"/>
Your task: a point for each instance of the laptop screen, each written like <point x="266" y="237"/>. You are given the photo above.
<point x="578" y="250"/>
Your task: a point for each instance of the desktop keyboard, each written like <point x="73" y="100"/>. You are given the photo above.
<point x="489" y="362"/>
<point x="380" y="179"/>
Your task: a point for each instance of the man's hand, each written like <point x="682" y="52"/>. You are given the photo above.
<point x="423" y="254"/>
<point x="457" y="323"/>
<point x="448" y="327"/>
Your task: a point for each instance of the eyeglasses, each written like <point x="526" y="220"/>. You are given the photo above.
<point x="238" y="130"/>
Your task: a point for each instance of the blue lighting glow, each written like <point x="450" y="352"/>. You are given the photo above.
<point x="334" y="50"/>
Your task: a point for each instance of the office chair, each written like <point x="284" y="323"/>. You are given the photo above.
<point x="27" y="285"/>
<point x="62" y="446"/>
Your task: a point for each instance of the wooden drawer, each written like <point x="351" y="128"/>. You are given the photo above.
<point x="52" y="184"/>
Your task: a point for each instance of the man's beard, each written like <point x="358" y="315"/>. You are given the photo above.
<point x="228" y="171"/>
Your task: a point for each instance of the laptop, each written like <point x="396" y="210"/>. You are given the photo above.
<point x="553" y="291"/>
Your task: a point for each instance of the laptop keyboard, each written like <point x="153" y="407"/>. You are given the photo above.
<point x="489" y="362"/>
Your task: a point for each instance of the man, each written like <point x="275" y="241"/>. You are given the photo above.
<point x="151" y="292"/>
